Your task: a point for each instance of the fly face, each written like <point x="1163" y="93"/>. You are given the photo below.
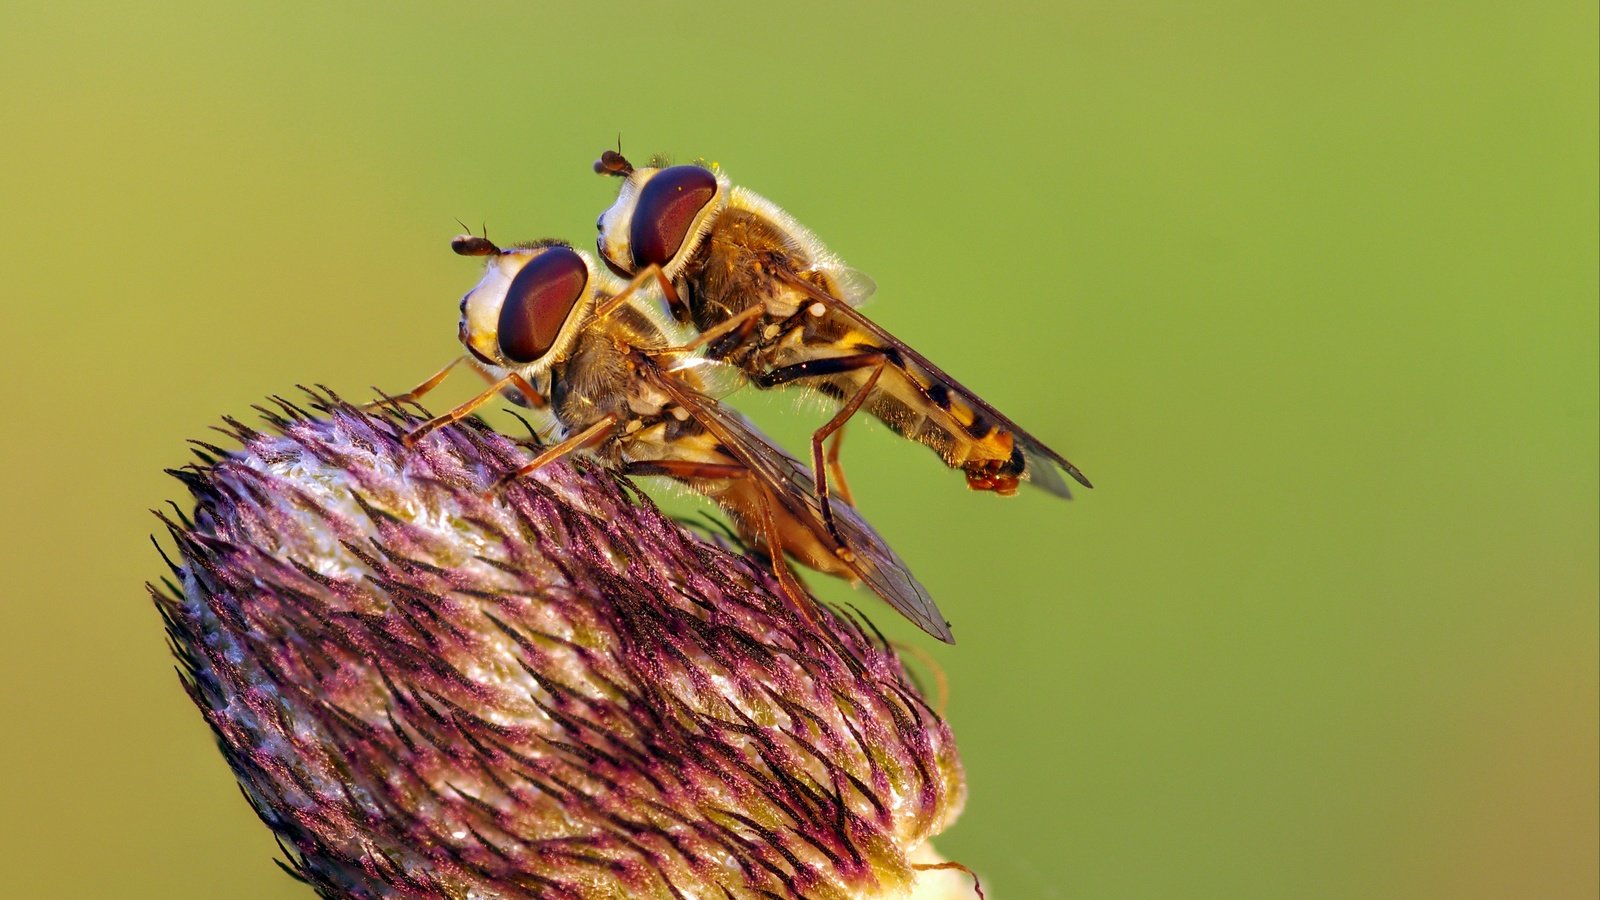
<point x="771" y="299"/>
<point x="660" y="217"/>
<point x="528" y="308"/>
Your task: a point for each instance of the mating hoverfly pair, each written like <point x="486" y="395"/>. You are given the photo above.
<point x="711" y="287"/>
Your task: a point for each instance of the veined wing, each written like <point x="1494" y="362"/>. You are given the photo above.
<point x="790" y="483"/>
<point x="708" y="377"/>
<point x="1041" y="461"/>
<point x="855" y="286"/>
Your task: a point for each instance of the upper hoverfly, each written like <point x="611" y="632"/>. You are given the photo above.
<point x="769" y="298"/>
<point x="621" y="378"/>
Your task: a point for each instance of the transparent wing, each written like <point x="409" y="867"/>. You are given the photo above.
<point x="1042" y="462"/>
<point x="855" y="286"/>
<point x="790" y="482"/>
<point x="710" y="377"/>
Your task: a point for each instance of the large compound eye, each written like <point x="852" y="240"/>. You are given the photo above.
<point x="667" y="206"/>
<point x="538" y="302"/>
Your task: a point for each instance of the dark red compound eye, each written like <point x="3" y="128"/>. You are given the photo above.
<point x="538" y="302"/>
<point x="667" y="206"/>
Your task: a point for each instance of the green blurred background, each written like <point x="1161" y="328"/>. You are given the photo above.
<point x="1308" y="289"/>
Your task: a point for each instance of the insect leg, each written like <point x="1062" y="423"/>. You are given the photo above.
<point x="766" y="516"/>
<point x="833" y="365"/>
<point x="836" y="471"/>
<point x="831" y="427"/>
<point x="736" y="321"/>
<point x="780" y="567"/>
<point x="683" y="468"/>
<point x="459" y="413"/>
<point x="815" y="368"/>
<point x="417" y="392"/>
<point x="528" y="390"/>
<point x="582" y="439"/>
<point x="648" y="272"/>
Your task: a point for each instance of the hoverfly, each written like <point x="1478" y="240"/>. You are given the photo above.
<point x="769" y="298"/>
<point x="621" y="379"/>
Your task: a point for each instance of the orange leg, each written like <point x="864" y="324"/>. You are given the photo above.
<point x="830" y="365"/>
<point x="511" y="379"/>
<point x="679" y="309"/>
<point x="528" y="390"/>
<point x="687" y="470"/>
<point x="582" y="439"/>
<point x="611" y="305"/>
<point x="835" y="470"/>
<point x="735" y="321"/>
<point x="836" y="426"/>
<point x="780" y="566"/>
<point x="417" y="392"/>
<point x="460" y="412"/>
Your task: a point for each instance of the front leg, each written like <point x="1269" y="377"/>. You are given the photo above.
<point x="591" y="435"/>
<point x="644" y="276"/>
<point x="459" y="413"/>
<point x="510" y="380"/>
<point x="416" y="393"/>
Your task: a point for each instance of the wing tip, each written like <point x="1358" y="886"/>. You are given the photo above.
<point x="1078" y="476"/>
<point x="938" y="628"/>
<point x="1043" y="468"/>
<point x="924" y="614"/>
<point x="932" y="622"/>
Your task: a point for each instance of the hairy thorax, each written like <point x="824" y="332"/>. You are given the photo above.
<point x="736" y="267"/>
<point x="596" y="379"/>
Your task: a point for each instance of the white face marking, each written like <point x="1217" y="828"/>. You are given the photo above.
<point x="481" y="306"/>
<point x="615" y="221"/>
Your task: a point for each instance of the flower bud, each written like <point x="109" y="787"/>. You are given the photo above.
<point x="558" y="692"/>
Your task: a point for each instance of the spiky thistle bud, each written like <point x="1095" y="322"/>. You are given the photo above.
<point x="556" y="693"/>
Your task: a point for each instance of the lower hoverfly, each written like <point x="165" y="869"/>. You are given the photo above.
<point x="622" y="379"/>
<point x="773" y="301"/>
